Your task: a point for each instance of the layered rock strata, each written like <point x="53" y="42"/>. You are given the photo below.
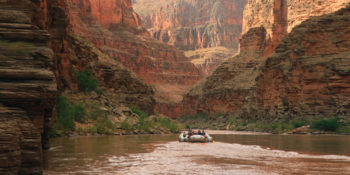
<point x="279" y="17"/>
<point x="193" y="24"/>
<point x="27" y="87"/>
<point x="156" y="63"/>
<point x="77" y="53"/>
<point x="227" y="88"/>
<point x="306" y="76"/>
<point x="208" y="59"/>
<point x="152" y="60"/>
<point x="208" y="30"/>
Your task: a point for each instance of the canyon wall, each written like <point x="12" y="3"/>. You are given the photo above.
<point x="27" y="86"/>
<point x="193" y="24"/>
<point x="208" y="30"/>
<point x="39" y="52"/>
<point x="153" y="61"/>
<point x="125" y="41"/>
<point x="279" y="17"/>
<point x="74" y="53"/>
<point x="306" y="76"/>
<point x="230" y="88"/>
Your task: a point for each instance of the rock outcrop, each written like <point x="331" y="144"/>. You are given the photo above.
<point x="27" y="86"/>
<point x="279" y="17"/>
<point x="227" y="88"/>
<point x="306" y="76"/>
<point x="208" y="59"/>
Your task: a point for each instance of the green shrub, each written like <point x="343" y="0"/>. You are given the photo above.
<point x="54" y="132"/>
<point x="331" y="124"/>
<point x="145" y="125"/>
<point x="80" y="113"/>
<point x="140" y="113"/>
<point x="101" y="128"/>
<point x="125" y="126"/>
<point x="167" y="123"/>
<point x="193" y="117"/>
<point x="65" y="114"/>
<point x="97" y="113"/>
<point x="110" y="125"/>
<point x="86" y="82"/>
<point x="92" y="129"/>
<point x="298" y="123"/>
<point x="344" y="129"/>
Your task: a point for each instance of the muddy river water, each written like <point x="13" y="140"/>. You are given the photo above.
<point x="230" y="154"/>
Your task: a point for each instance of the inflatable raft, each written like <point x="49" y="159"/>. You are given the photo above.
<point x="183" y="137"/>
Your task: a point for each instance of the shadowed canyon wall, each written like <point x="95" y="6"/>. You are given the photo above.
<point x="27" y="86"/>
<point x="305" y="75"/>
<point x="40" y="45"/>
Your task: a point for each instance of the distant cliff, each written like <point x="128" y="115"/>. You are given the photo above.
<point x="193" y="24"/>
<point x="303" y="75"/>
<point x="279" y="17"/>
<point x="208" y="30"/>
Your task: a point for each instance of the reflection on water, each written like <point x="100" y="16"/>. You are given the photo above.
<point x="232" y="154"/>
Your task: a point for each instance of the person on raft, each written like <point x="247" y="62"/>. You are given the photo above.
<point x="190" y="132"/>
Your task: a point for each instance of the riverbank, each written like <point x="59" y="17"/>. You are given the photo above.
<point x="228" y="132"/>
<point x="283" y="125"/>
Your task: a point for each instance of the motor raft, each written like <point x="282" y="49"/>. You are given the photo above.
<point x="203" y="138"/>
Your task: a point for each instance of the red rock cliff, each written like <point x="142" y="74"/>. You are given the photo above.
<point x="308" y="73"/>
<point x="193" y="24"/>
<point x="153" y="61"/>
<point x="125" y="40"/>
<point x="306" y="76"/>
<point x="279" y="17"/>
<point x="207" y="30"/>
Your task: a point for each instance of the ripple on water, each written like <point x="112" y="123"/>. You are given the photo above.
<point x="211" y="158"/>
<point x="223" y="158"/>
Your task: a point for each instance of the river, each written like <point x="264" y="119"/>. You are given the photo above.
<point x="230" y="154"/>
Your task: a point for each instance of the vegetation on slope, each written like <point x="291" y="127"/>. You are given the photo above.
<point x="284" y="125"/>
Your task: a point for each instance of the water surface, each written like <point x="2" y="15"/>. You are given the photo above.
<point x="230" y="154"/>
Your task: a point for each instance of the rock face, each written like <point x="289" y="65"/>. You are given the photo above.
<point x="306" y="76"/>
<point x="279" y="17"/>
<point x="77" y="53"/>
<point x="152" y="60"/>
<point x="310" y="70"/>
<point x="208" y="30"/>
<point x="227" y="88"/>
<point x="125" y="41"/>
<point x="27" y="86"/>
<point x="208" y="59"/>
<point x="193" y="24"/>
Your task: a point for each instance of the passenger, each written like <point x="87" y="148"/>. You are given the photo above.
<point x="189" y="133"/>
<point x="203" y="132"/>
<point x="199" y="132"/>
